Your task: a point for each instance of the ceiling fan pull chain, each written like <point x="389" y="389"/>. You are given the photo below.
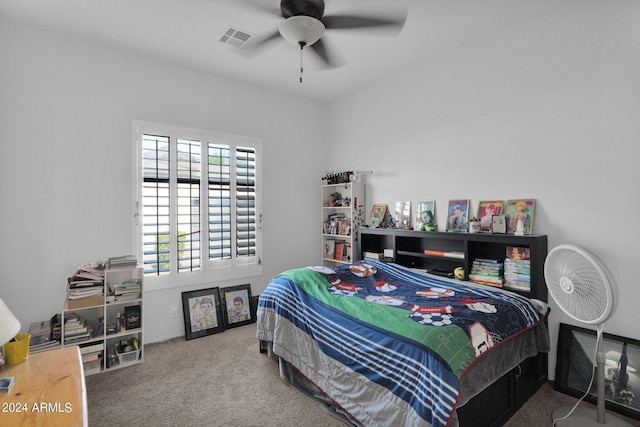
<point x="302" y="45"/>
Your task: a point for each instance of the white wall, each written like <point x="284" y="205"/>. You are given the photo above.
<point x="65" y="163"/>
<point x="548" y="109"/>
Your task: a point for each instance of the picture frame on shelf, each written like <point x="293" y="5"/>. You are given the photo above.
<point x="377" y="216"/>
<point x="457" y="215"/>
<point x="486" y="209"/>
<point x="402" y="214"/>
<point x="498" y="224"/>
<point x="236" y="301"/>
<point x="516" y="210"/>
<point x="202" y="312"/>
<point x="425" y="216"/>
<point x="575" y="364"/>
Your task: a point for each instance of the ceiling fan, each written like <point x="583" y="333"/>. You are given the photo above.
<point x="305" y="23"/>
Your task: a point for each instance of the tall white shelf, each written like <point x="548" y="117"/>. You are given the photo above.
<point x="344" y="235"/>
<point x="105" y="308"/>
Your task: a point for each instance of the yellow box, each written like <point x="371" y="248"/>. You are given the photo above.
<point x="17" y="351"/>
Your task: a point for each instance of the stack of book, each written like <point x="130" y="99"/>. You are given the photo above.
<point x="128" y="290"/>
<point x="41" y="338"/>
<point x="75" y="329"/>
<point x="86" y="287"/>
<point x="91" y="358"/>
<point x="517" y="268"/>
<point x="487" y="272"/>
<point x="123" y="261"/>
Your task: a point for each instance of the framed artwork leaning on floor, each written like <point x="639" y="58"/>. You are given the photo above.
<point x="576" y="364"/>
<point x="202" y="313"/>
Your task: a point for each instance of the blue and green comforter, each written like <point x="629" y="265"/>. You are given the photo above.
<point x="387" y="344"/>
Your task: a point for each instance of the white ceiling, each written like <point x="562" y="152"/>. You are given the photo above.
<point x="186" y="32"/>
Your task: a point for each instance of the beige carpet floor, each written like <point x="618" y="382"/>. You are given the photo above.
<point x="223" y="380"/>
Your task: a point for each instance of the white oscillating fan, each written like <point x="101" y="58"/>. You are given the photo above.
<point x="585" y="290"/>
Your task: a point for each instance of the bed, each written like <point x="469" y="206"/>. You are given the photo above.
<point x="379" y="344"/>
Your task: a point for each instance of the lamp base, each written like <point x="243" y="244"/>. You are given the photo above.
<point x="585" y="417"/>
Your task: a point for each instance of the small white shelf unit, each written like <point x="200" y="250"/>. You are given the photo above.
<point x="340" y="219"/>
<point x="104" y="350"/>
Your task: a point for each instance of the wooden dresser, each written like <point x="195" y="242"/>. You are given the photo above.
<point x="48" y="390"/>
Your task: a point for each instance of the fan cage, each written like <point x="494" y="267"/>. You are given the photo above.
<point x="580" y="284"/>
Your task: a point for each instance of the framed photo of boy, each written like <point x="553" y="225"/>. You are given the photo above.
<point x="520" y="210"/>
<point x="202" y="313"/>
<point x="486" y="209"/>
<point x="237" y="306"/>
<point x="457" y="215"/>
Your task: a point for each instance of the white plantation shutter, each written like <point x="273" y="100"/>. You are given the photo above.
<point x="246" y="219"/>
<point x="198" y="203"/>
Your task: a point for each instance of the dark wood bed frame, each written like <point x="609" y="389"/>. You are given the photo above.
<point x="498" y="402"/>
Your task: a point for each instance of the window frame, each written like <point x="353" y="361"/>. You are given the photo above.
<point x="211" y="270"/>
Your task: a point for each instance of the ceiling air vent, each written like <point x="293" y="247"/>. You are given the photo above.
<point x="235" y="37"/>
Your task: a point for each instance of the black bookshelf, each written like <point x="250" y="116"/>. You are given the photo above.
<point x="408" y="250"/>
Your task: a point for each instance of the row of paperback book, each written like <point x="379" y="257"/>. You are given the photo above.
<point x="517" y="268"/>
<point x="513" y="272"/>
<point x="125" y="291"/>
<point x="487" y="272"/>
<point x="337" y="250"/>
<point x="77" y="330"/>
<point x="123" y="261"/>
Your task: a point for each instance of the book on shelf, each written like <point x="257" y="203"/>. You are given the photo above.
<point x="123" y="261"/>
<point x="40" y="332"/>
<point x="454" y="254"/>
<point x="91" y="348"/>
<point x="84" y="292"/>
<point x="433" y="252"/>
<point x="91" y="357"/>
<point x="517" y="268"/>
<point x="329" y="249"/>
<point x="118" y="295"/>
<point x="44" y="346"/>
<point x="373" y="255"/>
<point x="88" y="273"/>
<point x="83" y="283"/>
<point x="126" y="287"/>
<point x="487" y="272"/>
<point x="446" y="254"/>
<point x="132" y="317"/>
<point x="518" y="253"/>
<point x="76" y="339"/>
<point x="98" y="331"/>
<point x="339" y="250"/>
<point x="77" y="333"/>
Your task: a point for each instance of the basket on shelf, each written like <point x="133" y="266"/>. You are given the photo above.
<point x="127" y="356"/>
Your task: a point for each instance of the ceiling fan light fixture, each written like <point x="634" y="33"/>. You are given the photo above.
<point x="301" y="29"/>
